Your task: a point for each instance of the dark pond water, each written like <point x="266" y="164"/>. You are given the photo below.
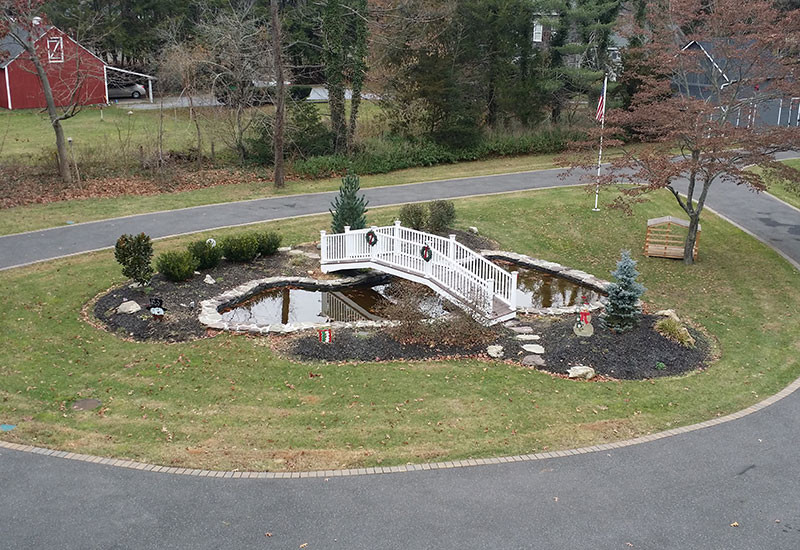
<point x="536" y="289"/>
<point x="293" y="305"/>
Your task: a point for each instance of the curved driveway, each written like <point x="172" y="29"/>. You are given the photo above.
<point x="679" y="492"/>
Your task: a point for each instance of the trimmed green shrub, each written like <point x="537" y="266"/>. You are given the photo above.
<point x="207" y="256"/>
<point x="441" y="215"/>
<point x="177" y="266"/>
<point x="348" y="208"/>
<point x="240" y="248"/>
<point x="414" y="216"/>
<point x="268" y="242"/>
<point x="134" y="253"/>
<point x="623" y="310"/>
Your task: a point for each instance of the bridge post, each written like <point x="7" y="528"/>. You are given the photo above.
<point x="323" y="247"/>
<point x="514" y="275"/>
<point x="347" y="242"/>
<point x="396" y="242"/>
<point x="372" y="248"/>
<point x="489" y="295"/>
<point x="451" y="248"/>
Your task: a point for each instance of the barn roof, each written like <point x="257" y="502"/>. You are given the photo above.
<point x="10" y="48"/>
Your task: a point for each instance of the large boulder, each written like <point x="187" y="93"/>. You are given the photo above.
<point x="128" y="307"/>
<point x="581" y="371"/>
<point x="495" y="351"/>
<point x="533" y="361"/>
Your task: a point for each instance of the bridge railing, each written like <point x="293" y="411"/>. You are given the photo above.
<point x="452" y="265"/>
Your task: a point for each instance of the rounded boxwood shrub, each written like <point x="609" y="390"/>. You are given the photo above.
<point x="240" y="248"/>
<point x="207" y="256"/>
<point x="177" y="265"/>
<point x="268" y="242"/>
<point x="134" y="253"/>
<point x="441" y="215"/>
<point x="414" y="216"/>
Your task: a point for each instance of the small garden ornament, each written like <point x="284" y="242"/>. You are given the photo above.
<point x="157" y="308"/>
<point x="583" y="325"/>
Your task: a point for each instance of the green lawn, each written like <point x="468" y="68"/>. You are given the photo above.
<point x="781" y="190"/>
<point x="230" y="402"/>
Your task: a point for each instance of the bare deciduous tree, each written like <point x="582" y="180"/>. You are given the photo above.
<point x="704" y="71"/>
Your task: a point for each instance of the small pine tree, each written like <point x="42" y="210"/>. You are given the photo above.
<point x="348" y="208"/>
<point x="623" y="309"/>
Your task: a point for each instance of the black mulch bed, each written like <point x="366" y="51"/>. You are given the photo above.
<point x="182" y="300"/>
<point x="376" y="345"/>
<point x="633" y="355"/>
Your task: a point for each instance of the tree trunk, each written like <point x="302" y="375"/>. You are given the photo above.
<point x="280" y="99"/>
<point x="61" y="145"/>
<point x="355" y="102"/>
<point x="691" y="239"/>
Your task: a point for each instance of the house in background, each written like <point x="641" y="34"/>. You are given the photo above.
<point x="703" y="85"/>
<point x="76" y="75"/>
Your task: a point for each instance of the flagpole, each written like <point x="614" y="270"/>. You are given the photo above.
<point x="600" y="154"/>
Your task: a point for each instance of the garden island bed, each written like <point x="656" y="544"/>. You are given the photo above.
<point x="230" y="402"/>
<point x="641" y="353"/>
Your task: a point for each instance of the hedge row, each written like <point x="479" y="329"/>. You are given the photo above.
<point x="399" y="154"/>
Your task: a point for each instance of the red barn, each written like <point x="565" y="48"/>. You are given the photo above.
<point x="76" y="75"/>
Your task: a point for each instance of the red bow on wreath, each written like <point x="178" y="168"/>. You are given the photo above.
<point x="426" y="253"/>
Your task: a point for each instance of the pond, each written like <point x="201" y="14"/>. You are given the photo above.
<point x="286" y="305"/>
<point x="537" y="289"/>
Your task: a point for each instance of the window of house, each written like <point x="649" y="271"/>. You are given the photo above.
<point x="55" y="49"/>
<point x="537" y="32"/>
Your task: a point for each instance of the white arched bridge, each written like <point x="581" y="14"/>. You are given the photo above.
<point x="446" y="266"/>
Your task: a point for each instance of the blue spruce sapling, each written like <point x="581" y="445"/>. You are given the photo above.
<point x="623" y="310"/>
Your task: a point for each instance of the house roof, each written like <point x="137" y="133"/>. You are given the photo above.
<point x="10" y="48"/>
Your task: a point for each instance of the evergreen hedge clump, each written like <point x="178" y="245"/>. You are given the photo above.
<point x="441" y="215"/>
<point x="134" y="253"/>
<point x="177" y="266"/>
<point x="268" y="242"/>
<point x="240" y="248"/>
<point x="414" y="216"/>
<point x="623" y="309"/>
<point x="207" y="256"/>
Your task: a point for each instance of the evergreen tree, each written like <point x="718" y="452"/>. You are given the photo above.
<point x="348" y="208"/>
<point x="623" y="309"/>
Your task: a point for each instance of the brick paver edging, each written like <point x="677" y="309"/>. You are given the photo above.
<point x="122" y="463"/>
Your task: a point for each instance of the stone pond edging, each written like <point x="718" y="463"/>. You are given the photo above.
<point x="212" y="318"/>
<point x="575" y="275"/>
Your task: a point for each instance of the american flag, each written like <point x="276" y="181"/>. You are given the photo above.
<point x="601" y="104"/>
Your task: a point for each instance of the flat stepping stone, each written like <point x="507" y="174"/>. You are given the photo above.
<point x="533" y="361"/>
<point x="533" y="348"/>
<point x="528" y="337"/>
<point x="522" y="329"/>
